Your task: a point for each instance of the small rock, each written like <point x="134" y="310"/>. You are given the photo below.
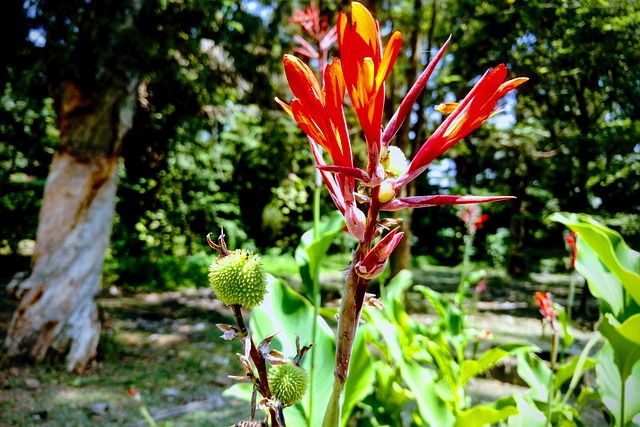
<point x="32" y="383"/>
<point x="99" y="408"/>
<point x="14" y="372"/>
<point x="170" y="392"/>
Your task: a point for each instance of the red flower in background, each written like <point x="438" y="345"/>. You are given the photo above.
<point x="316" y="27"/>
<point x="547" y="309"/>
<point x="472" y="217"/>
<point x="480" y="221"/>
<point x="571" y="240"/>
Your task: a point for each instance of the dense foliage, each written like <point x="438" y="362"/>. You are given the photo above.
<point x="209" y="147"/>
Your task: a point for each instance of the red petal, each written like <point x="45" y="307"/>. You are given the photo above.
<point x="437" y="200"/>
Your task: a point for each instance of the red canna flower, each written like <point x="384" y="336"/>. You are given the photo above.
<point x="365" y="68"/>
<point x="316" y="27"/>
<point x="547" y="309"/>
<point x="571" y="240"/>
<point x="481" y="287"/>
<point x="361" y="72"/>
<point x="480" y="221"/>
<point x="475" y="109"/>
<point x="376" y="260"/>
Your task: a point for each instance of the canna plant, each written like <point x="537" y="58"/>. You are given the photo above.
<point x="360" y="193"/>
<point x="612" y="271"/>
<point x="319" y="111"/>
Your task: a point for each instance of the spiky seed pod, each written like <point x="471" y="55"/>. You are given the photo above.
<point x="288" y="383"/>
<point x="239" y="278"/>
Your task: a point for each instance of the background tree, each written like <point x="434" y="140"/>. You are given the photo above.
<point x="574" y="144"/>
<point x="96" y="58"/>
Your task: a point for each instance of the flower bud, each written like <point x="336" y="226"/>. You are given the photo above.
<point x="238" y="278"/>
<point x="386" y="191"/>
<point x="288" y="383"/>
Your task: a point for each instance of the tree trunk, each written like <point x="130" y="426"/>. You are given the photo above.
<point x="57" y="311"/>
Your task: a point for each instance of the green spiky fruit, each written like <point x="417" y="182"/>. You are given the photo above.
<point x="288" y="383"/>
<point x="238" y="278"/>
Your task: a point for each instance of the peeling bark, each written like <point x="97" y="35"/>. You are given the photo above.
<point x="57" y="311"/>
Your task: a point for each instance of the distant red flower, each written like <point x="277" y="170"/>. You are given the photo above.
<point x="134" y="393"/>
<point x="571" y="240"/>
<point x="547" y="309"/>
<point x="481" y="287"/>
<point x="316" y="27"/>
<point x="480" y="221"/>
<point x="472" y="217"/>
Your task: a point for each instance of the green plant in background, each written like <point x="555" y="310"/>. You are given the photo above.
<point x="421" y="370"/>
<point x="612" y="271"/>
<point x="473" y="219"/>
<point x="547" y="401"/>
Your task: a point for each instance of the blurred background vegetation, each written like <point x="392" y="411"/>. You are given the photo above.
<point x="209" y="146"/>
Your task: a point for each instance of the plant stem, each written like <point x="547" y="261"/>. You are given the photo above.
<point x="350" y="309"/>
<point x="572" y="295"/>
<point x="352" y="300"/>
<point x="553" y="357"/>
<point x="258" y="361"/>
<point x="466" y="260"/>
<point x="317" y="301"/>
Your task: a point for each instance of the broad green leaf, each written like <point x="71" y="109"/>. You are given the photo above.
<point x="311" y="251"/>
<point x="528" y="414"/>
<point x="393" y="298"/>
<point x="419" y="379"/>
<point x="625" y="341"/>
<point x="566" y="371"/>
<point x="481" y="415"/>
<point x="430" y="405"/>
<point x="535" y="373"/>
<point x="610" y="387"/>
<point x="471" y="368"/>
<point x="289" y="313"/>
<point x="614" y="254"/>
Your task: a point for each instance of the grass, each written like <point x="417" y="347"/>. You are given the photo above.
<point x="170" y="361"/>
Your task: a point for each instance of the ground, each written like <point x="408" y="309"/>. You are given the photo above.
<point x="166" y="347"/>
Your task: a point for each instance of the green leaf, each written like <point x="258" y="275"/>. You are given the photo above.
<point x="528" y="414"/>
<point x="286" y="311"/>
<point x="471" y="368"/>
<point x="311" y="251"/>
<point x="481" y="415"/>
<point x="610" y="386"/>
<point x="393" y="298"/>
<point x="605" y="260"/>
<point x="535" y="373"/>
<point x="566" y="371"/>
<point x="625" y="341"/>
<point x="420" y="380"/>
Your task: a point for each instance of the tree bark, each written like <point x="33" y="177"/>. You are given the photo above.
<point x="58" y="313"/>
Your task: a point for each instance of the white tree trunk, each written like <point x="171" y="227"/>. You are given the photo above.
<point x="57" y="311"/>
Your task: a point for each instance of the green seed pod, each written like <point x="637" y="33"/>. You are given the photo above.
<point x="238" y="278"/>
<point x="288" y="383"/>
